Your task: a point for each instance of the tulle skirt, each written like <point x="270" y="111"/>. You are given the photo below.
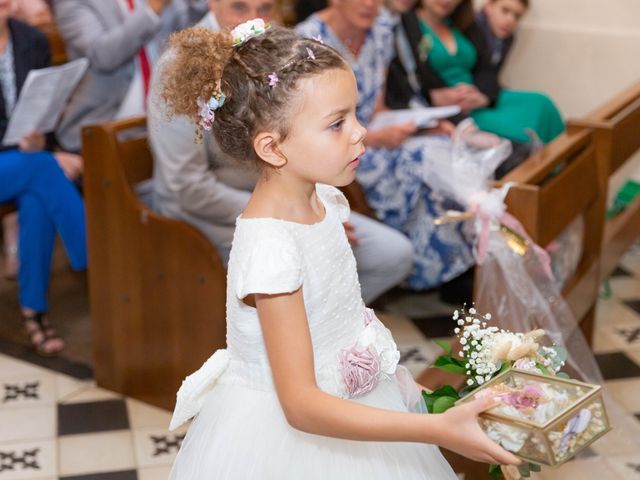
<point x="242" y="433"/>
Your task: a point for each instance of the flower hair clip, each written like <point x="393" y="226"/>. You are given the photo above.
<point x="273" y="77"/>
<point x="248" y="30"/>
<point x="207" y="109"/>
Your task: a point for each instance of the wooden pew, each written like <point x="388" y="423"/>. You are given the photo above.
<point x="616" y="129"/>
<point x="157" y="286"/>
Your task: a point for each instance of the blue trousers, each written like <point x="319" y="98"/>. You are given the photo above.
<point x="47" y="203"/>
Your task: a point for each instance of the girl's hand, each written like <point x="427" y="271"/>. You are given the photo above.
<point x="32" y="142"/>
<point x="390" y="137"/>
<point x="461" y="433"/>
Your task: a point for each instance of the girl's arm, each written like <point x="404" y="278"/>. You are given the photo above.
<point x="307" y="408"/>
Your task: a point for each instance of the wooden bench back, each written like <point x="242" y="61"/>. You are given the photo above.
<point x="157" y="286"/>
<point x="560" y="183"/>
<point x="616" y="129"/>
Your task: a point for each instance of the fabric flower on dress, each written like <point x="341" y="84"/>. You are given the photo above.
<point x="247" y="30"/>
<point x="372" y="355"/>
<point x="360" y="370"/>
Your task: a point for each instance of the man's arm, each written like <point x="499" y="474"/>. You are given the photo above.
<point x="106" y="48"/>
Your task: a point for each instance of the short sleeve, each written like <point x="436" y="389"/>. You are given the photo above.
<point x="335" y="199"/>
<point x="271" y="262"/>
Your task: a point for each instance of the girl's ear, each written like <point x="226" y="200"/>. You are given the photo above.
<point x="266" y="146"/>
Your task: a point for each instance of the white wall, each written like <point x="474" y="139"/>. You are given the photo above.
<point x="581" y="52"/>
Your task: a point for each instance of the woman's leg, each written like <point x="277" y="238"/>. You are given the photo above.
<point x="39" y="174"/>
<point x="36" y="241"/>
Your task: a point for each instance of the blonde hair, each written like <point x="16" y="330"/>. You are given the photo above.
<point x="202" y="58"/>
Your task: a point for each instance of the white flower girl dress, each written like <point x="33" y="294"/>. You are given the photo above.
<point x="240" y="431"/>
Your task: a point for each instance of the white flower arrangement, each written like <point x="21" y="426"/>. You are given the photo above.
<point x="247" y="30"/>
<point x="487" y="350"/>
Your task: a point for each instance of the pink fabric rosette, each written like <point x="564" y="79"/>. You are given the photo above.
<point x="360" y="370"/>
<point x="372" y="355"/>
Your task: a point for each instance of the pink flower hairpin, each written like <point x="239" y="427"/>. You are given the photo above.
<point x="319" y="39"/>
<point x="273" y="79"/>
<point x="310" y="54"/>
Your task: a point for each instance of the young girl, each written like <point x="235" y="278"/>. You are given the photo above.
<point x="309" y="386"/>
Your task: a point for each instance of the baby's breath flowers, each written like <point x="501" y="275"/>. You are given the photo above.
<point x="487" y="350"/>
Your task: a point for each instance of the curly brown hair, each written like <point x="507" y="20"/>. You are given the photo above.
<point x="201" y="58"/>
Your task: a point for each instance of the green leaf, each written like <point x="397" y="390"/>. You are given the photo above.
<point x="452" y="368"/>
<point x="505" y="366"/>
<point x="447" y="391"/>
<point x="430" y="399"/>
<point x="443" y="404"/>
<point x="450" y="364"/>
<point x="495" y="473"/>
<point x="543" y="369"/>
<point x="561" y="354"/>
<point x="446" y="346"/>
<point x="524" y="470"/>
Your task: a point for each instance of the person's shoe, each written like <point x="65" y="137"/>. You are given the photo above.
<point x="42" y="335"/>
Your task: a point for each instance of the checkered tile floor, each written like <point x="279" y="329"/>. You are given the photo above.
<point x="55" y="423"/>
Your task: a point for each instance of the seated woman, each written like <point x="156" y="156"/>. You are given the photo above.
<point x="390" y="170"/>
<point x="34" y="180"/>
<point x="456" y="68"/>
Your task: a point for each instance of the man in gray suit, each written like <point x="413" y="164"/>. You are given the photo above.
<point x="197" y="184"/>
<point x="113" y="35"/>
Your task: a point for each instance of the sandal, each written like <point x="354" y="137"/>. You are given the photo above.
<point x="42" y="335"/>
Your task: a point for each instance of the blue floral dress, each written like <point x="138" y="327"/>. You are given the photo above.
<point x="393" y="179"/>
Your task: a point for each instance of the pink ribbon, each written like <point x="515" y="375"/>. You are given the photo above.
<point x="490" y="202"/>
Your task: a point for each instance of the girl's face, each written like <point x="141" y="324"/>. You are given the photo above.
<point x="504" y="16"/>
<point x="440" y="8"/>
<point x="325" y="140"/>
<point x="360" y="14"/>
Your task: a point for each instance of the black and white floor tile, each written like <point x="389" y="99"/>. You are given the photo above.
<point x="55" y="423"/>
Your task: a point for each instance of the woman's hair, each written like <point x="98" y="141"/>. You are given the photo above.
<point x="463" y="15"/>
<point x="253" y="104"/>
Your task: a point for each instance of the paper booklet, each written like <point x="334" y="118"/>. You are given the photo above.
<point x="426" y="117"/>
<point x="42" y="99"/>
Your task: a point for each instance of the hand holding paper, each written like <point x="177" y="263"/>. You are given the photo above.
<point x="42" y="99"/>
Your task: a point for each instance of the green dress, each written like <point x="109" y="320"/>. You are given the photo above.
<point x="514" y="112"/>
